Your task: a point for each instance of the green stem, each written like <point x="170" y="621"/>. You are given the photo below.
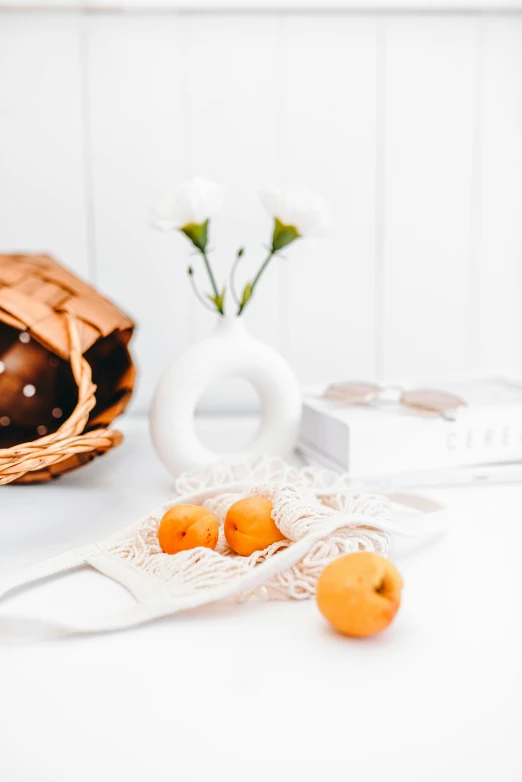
<point x="197" y="293"/>
<point x="212" y="280"/>
<point x="256" y="278"/>
<point x="232" y="280"/>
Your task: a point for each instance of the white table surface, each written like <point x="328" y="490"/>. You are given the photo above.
<point x="265" y="691"/>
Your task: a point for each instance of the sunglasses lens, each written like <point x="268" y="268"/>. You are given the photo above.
<point x="351" y="393"/>
<point x="432" y="402"/>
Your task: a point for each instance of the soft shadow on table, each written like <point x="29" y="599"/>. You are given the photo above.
<point x="405" y="548"/>
<point x="26" y="631"/>
<point x="394" y="635"/>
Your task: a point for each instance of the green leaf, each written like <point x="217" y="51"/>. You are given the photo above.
<point x="283" y="235"/>
<point x="247" y="293"/>
<point x="197" y="233"/>
<point x="240" y="252"/>
<point x="221" y="298"/>
<point x="218" y="300"/>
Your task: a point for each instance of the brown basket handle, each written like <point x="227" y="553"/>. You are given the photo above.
<point x="68" y="440"/>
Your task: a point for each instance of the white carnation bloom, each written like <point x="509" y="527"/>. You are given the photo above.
<point x="194" y="202"/>
<point x="300" y="207"/>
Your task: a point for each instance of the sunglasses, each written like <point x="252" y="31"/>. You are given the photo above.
<point x="425" y="402"/>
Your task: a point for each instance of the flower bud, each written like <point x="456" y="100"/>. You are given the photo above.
<point x="197" y="233"/>
<point x="283" y="235"/>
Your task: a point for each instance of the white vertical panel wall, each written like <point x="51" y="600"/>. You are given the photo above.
<point x="410" y="124"/>
<point x="330" y="93"/>
<point x="498" y="312"/>
<point x="139" y="140"/>
<point x="429" y="141"/>
<point x="42" y="144"/>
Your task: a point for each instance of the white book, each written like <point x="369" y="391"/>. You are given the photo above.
<point x="384" y="440"/>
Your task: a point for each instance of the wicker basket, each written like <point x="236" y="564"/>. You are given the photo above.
<point x="60" y="344"/>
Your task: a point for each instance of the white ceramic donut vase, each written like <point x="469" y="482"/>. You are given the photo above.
<point x="229" y="352"/>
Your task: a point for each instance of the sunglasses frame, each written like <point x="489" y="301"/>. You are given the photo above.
<point x="429" y="403"/>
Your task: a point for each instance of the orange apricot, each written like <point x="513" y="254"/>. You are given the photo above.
<point x="249" y="526"/>
<point x="360" y="593"/>
<point x="187" y="526"/>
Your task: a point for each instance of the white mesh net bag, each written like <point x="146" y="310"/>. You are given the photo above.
<point x="321" y="516"/>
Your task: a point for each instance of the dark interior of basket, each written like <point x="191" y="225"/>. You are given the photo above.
<point x="37" y="388"/>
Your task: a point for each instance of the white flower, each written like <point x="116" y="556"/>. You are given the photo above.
<point x="193" y="203"/>
<point x="299" y="207"/>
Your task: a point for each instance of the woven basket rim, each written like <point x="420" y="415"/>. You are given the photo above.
<point x="69" y="440"/>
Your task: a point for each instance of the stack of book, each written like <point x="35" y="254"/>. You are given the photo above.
<point x="382" y="443"/>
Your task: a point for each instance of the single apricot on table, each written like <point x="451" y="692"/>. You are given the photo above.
<point x="249" y="526"/>
<point x="360" y="593"/>
<point x="187" y="526"/>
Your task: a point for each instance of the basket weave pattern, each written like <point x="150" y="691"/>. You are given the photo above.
<point x="34" y="289"/>
<point x="67" y="317"/>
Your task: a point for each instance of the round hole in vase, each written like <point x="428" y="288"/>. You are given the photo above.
<point x="230" y="351"/>
<point x="228" y="415"/>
